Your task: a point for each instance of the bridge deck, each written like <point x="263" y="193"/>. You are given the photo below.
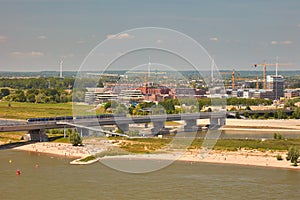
<point x="110" y="121"/>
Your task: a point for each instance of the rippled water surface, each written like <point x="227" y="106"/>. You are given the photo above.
<point x="56" y="179"/>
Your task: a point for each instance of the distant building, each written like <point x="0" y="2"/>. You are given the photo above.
<point x="90" y="95"/>
<point x="275" y="83"/>
<point x="131" y="96"/>
<point x="288" y="94"/>
<point x="105" y="97"/>
<point x="99" y="95"/>
<point x="188" y="92"/>
<point x="155" y="93"/>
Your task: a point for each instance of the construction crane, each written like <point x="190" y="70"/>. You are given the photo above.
<point x="265" y="64"/>
<point x="233" y="77"/>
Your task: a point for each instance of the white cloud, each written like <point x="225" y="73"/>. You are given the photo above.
<point x="214" y="39"/>
<point x="70" y="55"/>
<point x="28" y="54"/>
<point x="80" y="42"/>
<point x="3" y="38"/>
<point x="120" y="36"/>
<point x="36" y="53"/>
<point x="274" y="42"/>
<point x="42" y="37"/>
<point x="286" y="42"/>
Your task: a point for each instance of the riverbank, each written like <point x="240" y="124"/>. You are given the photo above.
<point x="59" y="149"/>
<point x="241" y="157"/>
<point x="258" y="124"/>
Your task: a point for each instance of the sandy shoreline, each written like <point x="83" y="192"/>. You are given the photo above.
<point x="59" y="149"/>
<point x="242" y="157"/>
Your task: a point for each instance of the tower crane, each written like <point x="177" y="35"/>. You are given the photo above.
<point x="265" y="64"/>
<point x="233" y="77"/>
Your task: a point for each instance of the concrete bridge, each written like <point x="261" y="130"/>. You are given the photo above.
<point x="37" y="129"/>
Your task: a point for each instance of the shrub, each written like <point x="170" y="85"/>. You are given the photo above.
<point x="75" y="139"/>
<point x="277" y="136"/>
<point x="237" y="115"/>
<point x="293" y="155"/>
<point x="279" y="157"/>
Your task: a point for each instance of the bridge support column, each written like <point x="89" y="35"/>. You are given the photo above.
<point x="157" y="126"/>
<point x="38" y="135"/>
<point x="216" y="122"/>
<point x="222" y="121"/>
<point x="191" y="125"/>
<point x="82" y="132"/>
<point x="124" y="127"/>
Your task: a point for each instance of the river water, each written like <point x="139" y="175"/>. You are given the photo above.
<point x="55" y="178"/>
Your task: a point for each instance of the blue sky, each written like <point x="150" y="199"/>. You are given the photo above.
<point x="36" y="34"/>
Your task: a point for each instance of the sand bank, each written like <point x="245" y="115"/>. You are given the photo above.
<point x="60" y="149"/>
<point x="249" y="158"/>
<point x="242" y="157"/>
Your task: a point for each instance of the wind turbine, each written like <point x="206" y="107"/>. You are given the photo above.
<point x="61" y="69"/>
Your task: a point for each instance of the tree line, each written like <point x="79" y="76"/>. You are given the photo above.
<point x="45" y="90"/>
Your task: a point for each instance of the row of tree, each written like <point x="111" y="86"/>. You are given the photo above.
<point x="46" y="83"/>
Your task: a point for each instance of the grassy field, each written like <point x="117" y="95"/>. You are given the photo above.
<point x="30" y="110"/>
<point x="10" y="137"/>
<point x="149" y="145"/>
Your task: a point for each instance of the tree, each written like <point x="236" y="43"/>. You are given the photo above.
<point x="19" y="96"/>
<point x="255" y="116"/>
<point x="168" y="105"/>
<point x="266" y="115"/>
<point x="131" y="109"/>
<point x="31" y="98"/>
<point x="120" y="109"/>
<point x="75" y="139"/>
<point x="296" y="113"/>
<point x="237" y="115"/>
<point x="293" y="155"/>
<point x="100" y="84"/>
<point x="4" y="92"/>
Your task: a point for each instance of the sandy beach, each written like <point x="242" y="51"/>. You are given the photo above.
<point x="60" y="149"/>
<point x="241" y="157"/>
<point x="257" y="124"/>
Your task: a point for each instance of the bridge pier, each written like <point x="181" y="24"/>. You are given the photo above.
<point x="217" y="122"/>
<point x="190" y="125"/>
<point x="37" y="135"/>
<point x="222" y="121"/>
<point x="124" y="127"/>
<point x="82" y="131"/>
<point x="157" y="126"/>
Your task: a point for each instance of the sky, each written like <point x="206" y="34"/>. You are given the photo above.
<point x="36" y="34"/>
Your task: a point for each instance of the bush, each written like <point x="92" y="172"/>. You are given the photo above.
<point x="237" y="115"/>
<point x="75" y="139"/>
<point x="279" y="157"/>
<point x="293" y="155"/>
<point x="277" y="136"/>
